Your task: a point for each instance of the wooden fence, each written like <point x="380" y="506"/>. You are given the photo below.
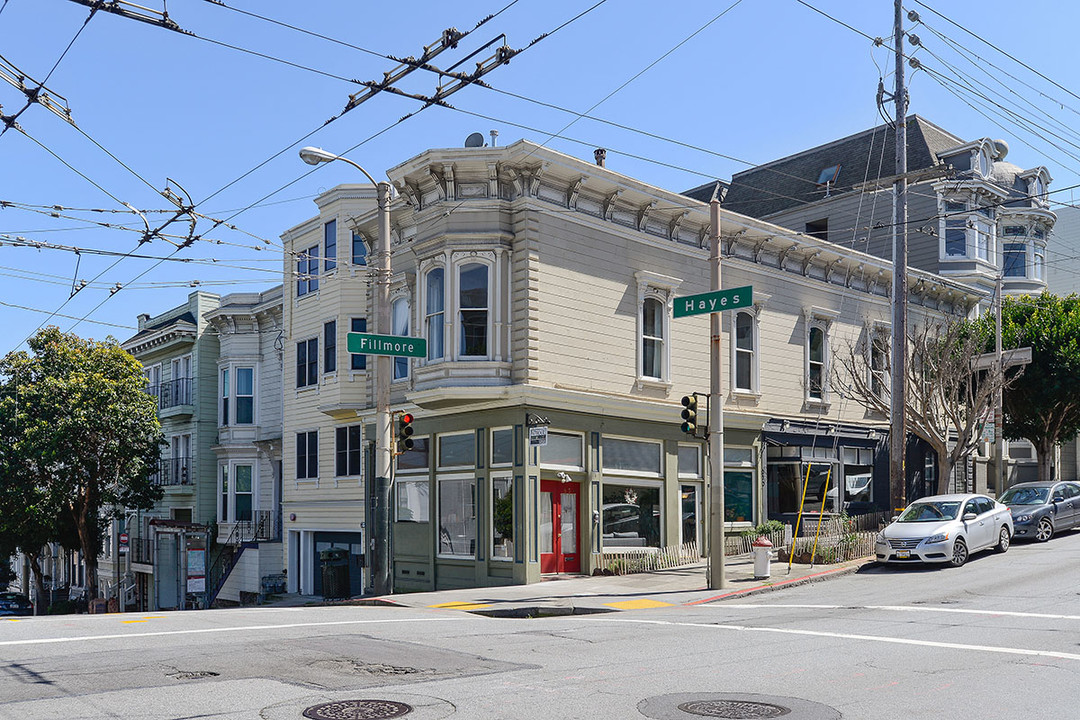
<point x="623" y="561"/>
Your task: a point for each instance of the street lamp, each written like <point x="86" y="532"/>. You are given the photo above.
<point x="380" y="537"/>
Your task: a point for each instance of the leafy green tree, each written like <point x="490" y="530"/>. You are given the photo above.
<point x="88" y="437"/>
<point x="1043" y="404"/>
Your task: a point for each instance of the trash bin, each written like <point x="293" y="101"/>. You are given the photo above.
<point x="335" y="573"/>
<point x="762" y="557"/>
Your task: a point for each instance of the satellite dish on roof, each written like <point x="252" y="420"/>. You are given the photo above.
<point x="475" y="140"/>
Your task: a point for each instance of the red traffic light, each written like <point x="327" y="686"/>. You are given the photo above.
<point x="406" y="418"/>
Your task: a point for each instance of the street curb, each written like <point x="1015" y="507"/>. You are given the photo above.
<point x="794" y="582"/>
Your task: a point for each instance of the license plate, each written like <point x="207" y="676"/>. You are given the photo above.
<point x="903" y="554"/>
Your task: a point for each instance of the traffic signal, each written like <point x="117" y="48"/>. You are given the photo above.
<point x="404" y="433"/>
<point x="689" y="414"/>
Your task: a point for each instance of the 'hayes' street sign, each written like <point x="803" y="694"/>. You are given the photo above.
<point x="368" y="344"/>
<point x="711" y="302"/>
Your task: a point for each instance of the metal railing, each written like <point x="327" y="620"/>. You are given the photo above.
<point x="172" y="393"/>
<point x="264" y="526"/>
<point x="173" y="471"/>
<point x="142" y="550"/>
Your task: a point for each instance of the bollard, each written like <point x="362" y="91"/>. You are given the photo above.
<point x="762" y="557"/>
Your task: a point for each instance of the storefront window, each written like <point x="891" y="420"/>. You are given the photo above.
<point x="502" y="518"/>
<point x="858" y="475"/>
<point x="457" y="517"/>
<point x="631" y="516"/>
<point x="412" y="499"/>
<point x="562" y="450"/>
<point x="786" y="482"/>
<point x="738" y="496"/>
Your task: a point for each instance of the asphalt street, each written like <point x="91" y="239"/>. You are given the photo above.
<point x="998" y="638"/>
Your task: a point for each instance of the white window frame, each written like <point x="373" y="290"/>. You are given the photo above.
<point x="754" y="312"/>
<point x="348" y="449"/>
<point x="406" y="362"/>
<point x="425" y="299"/>
<point x="699" y="473"/>
<point x="743" y="466"/>
<point x="552" y="466"/>
<point x="877" y="332"/>
<point x="459" y="264"/>
<point x="438" y="451"/>
<point x="653" y="286"/>
<point x="491" y="446"/>
<point x="318" y="460"/>
<point x="822" y="319"/>
<point x="230" y="501"/>
<point x="235" y="368"/>
<point x="633" y="473"/>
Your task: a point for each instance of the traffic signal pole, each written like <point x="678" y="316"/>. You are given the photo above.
<point x="716" y="578"/>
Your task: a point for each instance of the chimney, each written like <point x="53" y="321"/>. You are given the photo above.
<point x="494" y="134"/>
<point x="600" y="154"/>
<point x="143" y="319"/>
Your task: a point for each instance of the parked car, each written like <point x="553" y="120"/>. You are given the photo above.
<point x="946" y="529"/>
<point x="15" y="604"/>
<point x="1039" y="509"/>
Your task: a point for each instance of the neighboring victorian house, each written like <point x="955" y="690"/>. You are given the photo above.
<point x="214" y="365"/>
<point x="544" y="286"/>
<point x="972" y="215"/>
<point x="248" y="447"/>
<point x="179" y="355"/>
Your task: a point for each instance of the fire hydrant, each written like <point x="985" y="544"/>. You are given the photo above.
<point x="762" y="557"/>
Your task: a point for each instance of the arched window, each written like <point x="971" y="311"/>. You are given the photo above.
<point x="399" y="325"/>
<point x="652" y="339"/>
<point x="434" y="315"/>
<point x="473" y="298"/>
<point x="744" y="352"/>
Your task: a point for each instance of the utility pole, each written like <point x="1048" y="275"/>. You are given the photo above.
<point x="898" y="390"/>
<point x="717" y="581"/>
<point x="380" y="566"/>
<point x="999" y="368"/>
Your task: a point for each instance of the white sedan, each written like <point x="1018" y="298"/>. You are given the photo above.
<point x="946" y="529"/>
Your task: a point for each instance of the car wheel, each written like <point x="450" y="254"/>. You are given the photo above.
<point x="1003" y="540"/>
<point x="959" y="553"/>
<point x="1045" y="530"/>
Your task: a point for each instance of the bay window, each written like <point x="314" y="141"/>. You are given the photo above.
<point x="473" y="298"/>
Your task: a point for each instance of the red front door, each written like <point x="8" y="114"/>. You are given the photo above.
<point x="560" y="536"/>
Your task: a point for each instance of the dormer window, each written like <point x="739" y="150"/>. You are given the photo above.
<point x="983" y="162"/>
<point x="828" y="175"/>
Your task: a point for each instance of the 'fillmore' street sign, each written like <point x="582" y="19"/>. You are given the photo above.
<point x="711" y="302"/>
<point x="368" y="344"/>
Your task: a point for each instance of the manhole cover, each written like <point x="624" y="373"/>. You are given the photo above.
<point x="357" y="710"/>
<point x="734" y="709"/>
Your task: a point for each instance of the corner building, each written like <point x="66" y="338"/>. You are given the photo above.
<point x="544" y="286"/>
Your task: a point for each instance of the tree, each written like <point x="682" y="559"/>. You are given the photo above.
<point x="89" y="438"/>
<point x="946" y="398"/>
<point x="1043" y="405"/>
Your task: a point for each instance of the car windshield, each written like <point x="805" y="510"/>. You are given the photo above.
<point x="934" y="511"/>
<point x="1025" y="496"/>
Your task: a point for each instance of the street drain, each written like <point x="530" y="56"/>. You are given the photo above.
<point x="192" y="674"/>
<point x="734" y="709"/>
<point x="357" y="710"/>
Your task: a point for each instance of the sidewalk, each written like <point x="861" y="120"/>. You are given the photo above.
<point x="569" y="595"/>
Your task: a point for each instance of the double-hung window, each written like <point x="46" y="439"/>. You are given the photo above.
<point x="348" y="451"/>
<point x="245" y="395"/>
<point x="652" y="339"/>
<point x="330" y="346"/>
<point x="816" y="354"/>
<point x="307" y="271"/>
<point x="307" y="455"/>
<point x="1014" y="260"/>
<point x="879" y="363"/>
<point x="307" y="362"/>
<point x="955" y="229"/>
<point x="435" y="313"/>
<point x="473" y="310"/>
<point x="225" y="397"/>
<point x="745" y="348"/>
<point x="330" y="245"/>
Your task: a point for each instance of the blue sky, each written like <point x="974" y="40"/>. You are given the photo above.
<point x="764" y="79"/>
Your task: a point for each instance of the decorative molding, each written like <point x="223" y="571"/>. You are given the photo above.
<point x="643" y="214"/>
<point x="573" y="191"/>
<point x="609" y="204"/>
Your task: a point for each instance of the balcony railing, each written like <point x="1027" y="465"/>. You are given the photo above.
<point x="173" y="471"/>
<point x="171" y="393"/>
<point x="141" y="550"/>
<point x="264" y="526"/>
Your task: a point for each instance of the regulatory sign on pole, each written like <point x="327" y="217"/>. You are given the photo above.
<point x="711" y="302"/>
<point x="368" y="344"/>
<point x="538" y="436"/>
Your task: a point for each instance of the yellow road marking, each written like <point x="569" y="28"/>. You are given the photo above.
<point x="460" y="606"/>
<point x="128" y="622"/>
<point x="638" y="604"/>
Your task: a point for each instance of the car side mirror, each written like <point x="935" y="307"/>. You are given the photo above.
<point x="1059" y="498"/>
<point x="969" y="516"/>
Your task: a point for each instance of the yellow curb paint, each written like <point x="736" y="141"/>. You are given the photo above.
<point x="460" y="606"/>
<point x="643" y="604"/>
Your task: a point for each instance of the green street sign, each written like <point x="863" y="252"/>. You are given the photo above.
<point x="714" y="301"/>
<point x="368" y="344"/>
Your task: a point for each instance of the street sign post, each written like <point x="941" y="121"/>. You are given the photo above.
<point x="711" y="302"/>
<point x="370" y="344"/>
